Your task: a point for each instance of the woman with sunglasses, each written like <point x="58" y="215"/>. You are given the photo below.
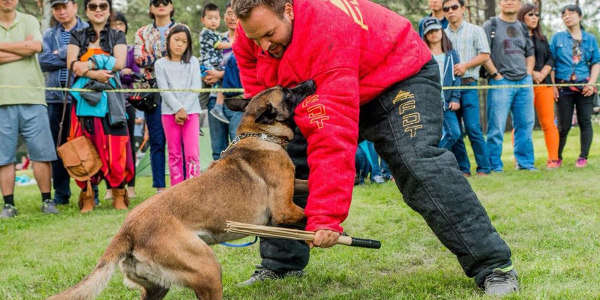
<point x="128" y="76"/>
<point x="98" y="53"/>
<point x="576" y="60"/>
<point x="151" y="45"/>
<point x="543" y="100"/>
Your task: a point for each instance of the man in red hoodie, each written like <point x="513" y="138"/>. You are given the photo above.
<point x="369" y="65"/>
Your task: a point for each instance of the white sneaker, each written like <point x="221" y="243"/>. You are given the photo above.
<point x="131" y="192"/>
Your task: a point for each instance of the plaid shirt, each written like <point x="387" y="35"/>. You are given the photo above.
<point x="469" y="41"/>
<point x="150" y="46"/>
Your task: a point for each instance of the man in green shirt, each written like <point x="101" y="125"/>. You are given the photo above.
<point x="22" y="111"/>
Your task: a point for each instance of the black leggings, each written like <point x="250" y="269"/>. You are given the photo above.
<point x="566" y="102"/>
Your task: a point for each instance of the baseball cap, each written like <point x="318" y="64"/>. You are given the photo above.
<point x="431" y="23"/>
<point x="54" y="2"/>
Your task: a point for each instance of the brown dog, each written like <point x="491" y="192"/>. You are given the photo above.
<point x="164" y="240"/>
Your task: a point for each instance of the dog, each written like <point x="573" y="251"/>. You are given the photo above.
<point x="165" y="240"/>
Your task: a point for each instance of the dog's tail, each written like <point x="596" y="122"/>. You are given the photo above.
<point x="93" y="284"/>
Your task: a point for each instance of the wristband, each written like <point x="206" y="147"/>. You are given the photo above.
<point x="90" y="66"/>
<point x="494" y="75"/>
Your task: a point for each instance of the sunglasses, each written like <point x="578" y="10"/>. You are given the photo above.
<point x="94" y="6"/>
<point x="531" y="14"/>
<point x="157" y="3"/>
<point x="453" y="7"/>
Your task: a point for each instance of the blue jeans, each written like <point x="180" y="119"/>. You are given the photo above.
<point x="370" y="157"/>
<point x="362" y="165"/>
<point x="385" y="169"/>
<point x="221" y="133"/>
<point x="157" y="146"/>
<point x="450" y="130"/>
<point x="60" y="177"/>
<point x="519" y="102"/>
<point x="469" y="113"/>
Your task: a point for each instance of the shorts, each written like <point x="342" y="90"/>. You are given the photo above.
<point x="31" y="121"/>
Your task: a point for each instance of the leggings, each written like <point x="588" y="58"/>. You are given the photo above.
<point x="544" y="106"/>
<point x="566" y="102"/>
<point x="182" y="143"/>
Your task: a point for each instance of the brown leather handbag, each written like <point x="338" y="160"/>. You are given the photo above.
<point x="79" y="156"/>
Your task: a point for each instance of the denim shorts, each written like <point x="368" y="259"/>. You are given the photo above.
<point x="31" y="121"/>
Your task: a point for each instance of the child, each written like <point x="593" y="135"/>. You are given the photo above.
<point x="446" y="57"/>
<point x="179" y="70"/>
<point x="211" y="50"/>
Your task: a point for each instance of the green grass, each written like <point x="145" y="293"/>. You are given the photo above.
<point x="549" y="218"/>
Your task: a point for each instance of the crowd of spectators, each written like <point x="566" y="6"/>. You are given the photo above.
<point x="508" y="50"/>
<point x="93" y="50"/>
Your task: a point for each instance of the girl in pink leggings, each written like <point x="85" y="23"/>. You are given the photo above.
<point x="180" y="70"/>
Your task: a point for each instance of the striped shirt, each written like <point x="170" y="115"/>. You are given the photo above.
<point x="469" y="41"/>
<point x="65" y="37"/>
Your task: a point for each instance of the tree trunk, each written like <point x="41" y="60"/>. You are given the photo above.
<point x="538" y="3"/>
<point x="46" y="13"/>
<point x="490" y="9"/>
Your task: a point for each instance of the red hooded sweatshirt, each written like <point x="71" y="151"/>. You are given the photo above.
<point x="353" y="50"/>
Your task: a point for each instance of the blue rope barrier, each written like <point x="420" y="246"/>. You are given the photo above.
<point x="240" y="245"/>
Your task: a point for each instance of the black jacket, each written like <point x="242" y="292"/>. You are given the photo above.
<point x="542" y="56"/>
<point x="108" y="39"/>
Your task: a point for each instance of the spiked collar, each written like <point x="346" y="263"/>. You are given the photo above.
<point x="263" y="136"/>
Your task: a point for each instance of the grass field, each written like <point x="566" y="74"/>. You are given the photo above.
<point x="550" y="219"/>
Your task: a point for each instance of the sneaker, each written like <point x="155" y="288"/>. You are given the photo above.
<point x="519" y="168"/>
<point x="261" y="274"/>
<point x="552" y="164"/>
<point x="49" y="208"/>
<point x="131" y="192"/>
<point x="219" y="115"/>
<point x="378" y="179"/>
<point x="500" y="282"/>
<point x="108" y="195"/>
<point x="559" y="163"/>
<point x="581" y="162"/>
<point x="8" y="211"/>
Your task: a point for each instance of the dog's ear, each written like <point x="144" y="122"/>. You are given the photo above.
<point x="266" y="114"/>
<point x="237" y="104"/>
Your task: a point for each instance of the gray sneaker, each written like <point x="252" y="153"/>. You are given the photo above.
<point x="378" y="179"/>
<point x="500" y="282"/>
<point x="219" y="115"/>
<point x="8" y="211"/>
<point x="262" y="274"/>
<point x="49" y="208"/>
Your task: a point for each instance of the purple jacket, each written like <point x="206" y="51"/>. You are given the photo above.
<point x="127" y="80"/>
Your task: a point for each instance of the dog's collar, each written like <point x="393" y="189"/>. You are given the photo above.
<point x="263" y="136"/>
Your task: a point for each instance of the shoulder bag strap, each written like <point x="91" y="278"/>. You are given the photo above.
<point x="62" y="120"/>
<point x="492" y="31"/>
